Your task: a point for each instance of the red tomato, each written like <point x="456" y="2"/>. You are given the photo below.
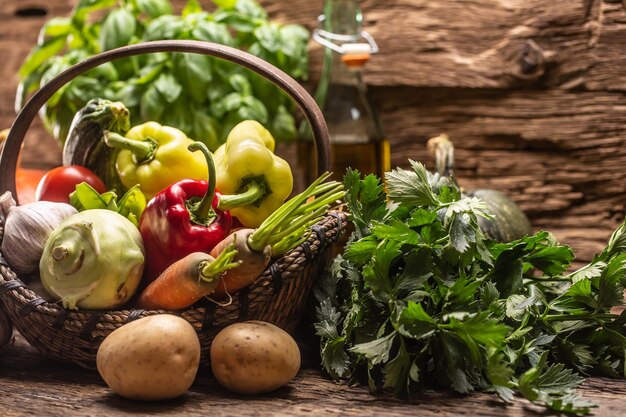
<point x="59" y="182"/>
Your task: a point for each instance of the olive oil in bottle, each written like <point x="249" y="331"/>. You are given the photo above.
<point x="356" y="136"/>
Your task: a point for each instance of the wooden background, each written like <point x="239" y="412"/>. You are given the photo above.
<point x="530" y="91"/>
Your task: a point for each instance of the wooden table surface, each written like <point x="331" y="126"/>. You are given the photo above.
<point x="31" y="385"/>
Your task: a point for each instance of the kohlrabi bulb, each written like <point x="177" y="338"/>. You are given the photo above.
<point x="93" y="260"/>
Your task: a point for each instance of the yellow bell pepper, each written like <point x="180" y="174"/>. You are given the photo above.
<point x="155" y="157"/>
<point x="253" y="181"/>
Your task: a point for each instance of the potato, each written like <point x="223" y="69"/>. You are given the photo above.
<point x="153" y="358"/>
<point x="254" y="357"/>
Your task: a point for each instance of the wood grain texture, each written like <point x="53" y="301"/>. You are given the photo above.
<point x="31" y="385"/>
<point x="531" y="92"/>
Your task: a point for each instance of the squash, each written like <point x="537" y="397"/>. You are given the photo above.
<point x="510" y="222"/>
<point x="85" y="145"/>
<point x="26" y="179"/>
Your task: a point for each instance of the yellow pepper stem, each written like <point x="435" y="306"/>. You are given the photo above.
<point x="253" y="194"/>
<point x="143" y="150"/>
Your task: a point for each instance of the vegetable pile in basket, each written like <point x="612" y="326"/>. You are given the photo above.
<point x="200" y="95"/>
<point x="421" y="297"/>
<point x="189" y="224"/>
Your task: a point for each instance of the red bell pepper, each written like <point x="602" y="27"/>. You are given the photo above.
<point x="181" y="219"/>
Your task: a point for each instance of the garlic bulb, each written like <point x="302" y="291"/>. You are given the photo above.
<point x="26" y="229"/>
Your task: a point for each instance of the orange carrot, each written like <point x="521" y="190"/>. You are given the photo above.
<point x="253" y="263"/>
<point x="187" y="280"/>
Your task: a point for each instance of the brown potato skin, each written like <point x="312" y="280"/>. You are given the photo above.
<point x="149" y="359"/>
<point x="254" y="357"/>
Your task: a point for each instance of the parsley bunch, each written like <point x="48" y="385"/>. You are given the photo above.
<point x="420" y="296"/>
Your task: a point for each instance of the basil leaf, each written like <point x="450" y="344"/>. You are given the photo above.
<point x="41" y="54"/>
<point x="164" y="27"/>
<point x="191" y="6"/>
<point x="84" y="7"/>
<point x="154" y="8"/>
<point x="178" y="114"/>
<point x="250" y="8"/>
<point x="127" y="93"/>
<point x="152" y="104"/>
<point x="242" y="24"/>
<point x="283" y="125"/>
<point x="117" y="30"/>
<point x="253" y="109"/>
<point x="225" y="4"/>
<point x="268" y="35"/>
<point x="205" y="128"/>
<point x="293" y="38"/>
<point x="54" y="28"/>
<point x="194" y="73"/>
<point x="209" y="31"/>
<point x="169" y="88"/>
<point x="240" y="84"/>
<point x="229" y="103"/>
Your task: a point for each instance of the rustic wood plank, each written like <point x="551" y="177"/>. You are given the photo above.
<point x="31" y="385"/>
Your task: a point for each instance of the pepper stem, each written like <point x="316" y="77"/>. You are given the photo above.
<point x="209" y="270"/>
<point x="204" y="210"/>
<point x="143" y="150"/>
<point x="254" y="193"/>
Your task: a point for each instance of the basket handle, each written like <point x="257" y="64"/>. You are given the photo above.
<point x="312" y="112"/>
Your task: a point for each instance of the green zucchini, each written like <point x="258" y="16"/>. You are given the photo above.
<point x="85" y="145"/>
<point x="510" y="222"/>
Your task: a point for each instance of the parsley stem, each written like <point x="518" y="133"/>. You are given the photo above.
<point x="549" y="279"/>
<point x="582" y="316"/>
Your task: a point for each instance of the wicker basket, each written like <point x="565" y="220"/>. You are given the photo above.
<point x="6" y="329"/>
<point x="278" y="295"/>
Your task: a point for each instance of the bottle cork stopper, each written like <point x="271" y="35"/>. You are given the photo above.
<point x="356" y="54"/>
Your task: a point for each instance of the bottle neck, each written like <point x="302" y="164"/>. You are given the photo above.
<point x="343" y="17"/>
<point x="341" y="92"/>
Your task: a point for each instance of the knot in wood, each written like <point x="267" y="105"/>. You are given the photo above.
<point x="531" y="59"/>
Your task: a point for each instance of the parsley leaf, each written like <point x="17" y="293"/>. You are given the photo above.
<point x="411" y="188"/>
<point x="365" y="200"/>
<point x="377" y="350"/>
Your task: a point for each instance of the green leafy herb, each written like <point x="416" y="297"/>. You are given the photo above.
<point x="201" y="95"/>
<point x="421" y="295"/>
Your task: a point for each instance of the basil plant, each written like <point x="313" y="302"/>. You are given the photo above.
<point x="201" y="95"/>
